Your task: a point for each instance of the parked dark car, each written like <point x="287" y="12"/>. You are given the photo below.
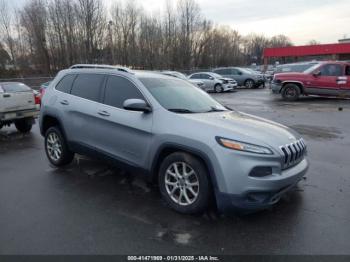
<point x="243" y="76"/>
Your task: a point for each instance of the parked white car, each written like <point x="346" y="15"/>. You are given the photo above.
<point x="176" y="74"/>
<point x="18" y="106"/>
<point x="214" y="82"/>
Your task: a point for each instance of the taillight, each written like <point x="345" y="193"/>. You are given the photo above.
<point x="37" y="99"/>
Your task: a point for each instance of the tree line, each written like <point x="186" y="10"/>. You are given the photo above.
<point x="44" y="36"/>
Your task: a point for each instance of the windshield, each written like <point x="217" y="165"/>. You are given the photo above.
<point x="252" y="71"/>
<point x="247" y="71"/>
<point x="311" y="69"/>
<point x="215" y="75"/>
<point x="180" y="96"/>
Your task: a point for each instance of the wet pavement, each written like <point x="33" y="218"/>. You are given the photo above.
<point x="92" y="208"/>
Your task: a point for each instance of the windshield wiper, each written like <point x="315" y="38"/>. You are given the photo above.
<point x="214" y="109"/>
<point x="181" y="110"/>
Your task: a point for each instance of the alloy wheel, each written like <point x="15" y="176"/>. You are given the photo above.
<point x="182" y="183"/>
<point x="54" y="146"/>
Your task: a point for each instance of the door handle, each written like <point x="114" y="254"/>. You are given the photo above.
<point x="6" y="95"/>
<point x="104" y="113"/>
<point x="64" y="102"/>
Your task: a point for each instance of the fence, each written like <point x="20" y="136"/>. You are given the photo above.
<point x="33" y="82"/>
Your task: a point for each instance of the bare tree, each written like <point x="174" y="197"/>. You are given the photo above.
<point x="34" y="20"/>
<point x="189" y="19"/>
<point x="92" y="21"/>
<point x="313" y="42"/>
<point x="48" y="35"/>
<point x="6" y="30"/>
<point x="280" y="41"/>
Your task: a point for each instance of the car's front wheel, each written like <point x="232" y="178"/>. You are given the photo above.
<point x="184" y="183"/>
<point x="291" y="92"/>
<point x="56" y="148"/>
<point x="218" y="88"/>
<point x="249" y="83"/>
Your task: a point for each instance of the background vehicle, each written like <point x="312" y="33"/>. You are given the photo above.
<point x="243" y="76"/>
<point x="214" y="82"/>
<point x="324" y="79"/>
<point x="43" y="88"/>
<point x="294" y="67"/>
<point x="196" y="82"/>
<point x="174" y="133"/>
<point x="19" y="105"/>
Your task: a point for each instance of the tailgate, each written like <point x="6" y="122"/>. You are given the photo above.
<point x="15" y="98"/>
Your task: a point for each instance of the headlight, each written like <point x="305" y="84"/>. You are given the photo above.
<point x="241" y="146"/>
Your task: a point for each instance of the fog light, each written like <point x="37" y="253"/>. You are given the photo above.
<point x="261" y="171"/>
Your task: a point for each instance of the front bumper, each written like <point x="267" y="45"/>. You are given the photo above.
<point x="276" y="88"/>
<point x="229" y="87"/>
<point x="259" y="82"/>
<point x="237" y="189"/>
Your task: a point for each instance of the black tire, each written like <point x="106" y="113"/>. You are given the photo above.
<point x="66" y="156"/>
<point x="291" y="92"/>
<point x="218" y="88"/>
<point x="201" y="202"/>
<point x="249" y="83"/>
<point x="24" y="125"/>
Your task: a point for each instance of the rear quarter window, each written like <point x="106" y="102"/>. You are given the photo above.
<point x="66" y="83"/>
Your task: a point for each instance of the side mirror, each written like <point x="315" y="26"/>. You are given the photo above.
<point x="211" y="78"/>
<point x="240" y="73"/>
<point x="317" y="73"/>
<point x="137" y="105"/>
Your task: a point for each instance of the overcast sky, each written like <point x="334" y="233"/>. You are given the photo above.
<point x="302" y="20"/>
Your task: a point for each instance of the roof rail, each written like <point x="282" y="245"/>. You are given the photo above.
<point x="92" y="66"/>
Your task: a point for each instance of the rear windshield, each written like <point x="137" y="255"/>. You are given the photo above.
<point x="14" y="87"/>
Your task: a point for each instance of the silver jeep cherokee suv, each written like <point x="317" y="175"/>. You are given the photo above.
<point x="175" y="134"/>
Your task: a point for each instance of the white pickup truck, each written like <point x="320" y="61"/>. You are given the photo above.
<point x="18" y="106"/>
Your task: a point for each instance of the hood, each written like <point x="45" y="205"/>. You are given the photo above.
<point x="247" y="128"/>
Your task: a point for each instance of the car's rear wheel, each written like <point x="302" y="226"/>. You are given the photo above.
<point x="290" y="92"/>
<point x="249" y="83"/>
<point x="218" y="88"/>
<point x="56" y="148"/>
<point x="24" y="125"/>
<point x="184" y="183"/>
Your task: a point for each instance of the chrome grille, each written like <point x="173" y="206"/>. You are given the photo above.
<point x="293" y="153"/>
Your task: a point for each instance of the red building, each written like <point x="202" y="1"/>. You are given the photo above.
<point x="340" y="51"/>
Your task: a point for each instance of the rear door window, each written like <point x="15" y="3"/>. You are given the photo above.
<point x="119" y="89"/>
<point x="196" y="76"/>
<point x="66" y="83"/>
<point x="235" y="72"/>
<point x="205" y="76"/>
<point x="15" y="87"/>
<point x="88" y="86"/>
